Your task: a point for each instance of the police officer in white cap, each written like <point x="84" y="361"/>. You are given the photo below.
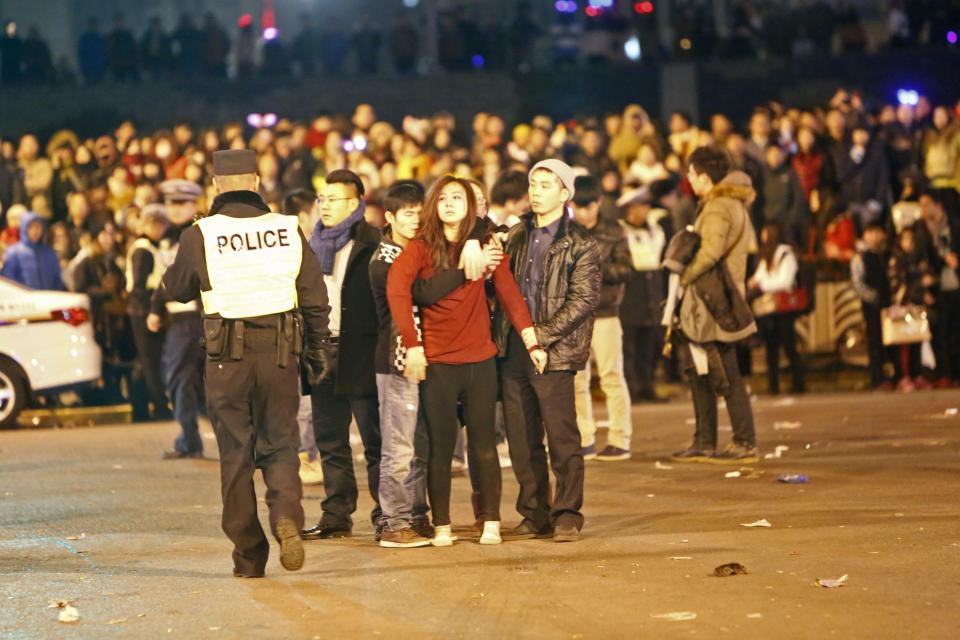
<point x="182" y="355"/>
<point x="263" y="299"/>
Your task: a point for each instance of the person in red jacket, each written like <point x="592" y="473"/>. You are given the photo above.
<point x="453" y="352"/>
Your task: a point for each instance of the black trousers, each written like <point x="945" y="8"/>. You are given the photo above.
<point x="641" y="352"/>
<point x="778" y="332"/>
<point x="253" y="407"/>
<point x="876" y="352"/>
<point x="149" y="347"/>
<point x="331" y="429"/>
<point x="946" y="334"/>
<point x="535" y="405"/>
<point x="738" y="404"/>
<point x="474" y="385"/>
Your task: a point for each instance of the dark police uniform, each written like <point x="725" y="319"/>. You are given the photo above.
<point x="261" y="290"/>
<point x="182" y="356"/>
<point x="144" y="271"/>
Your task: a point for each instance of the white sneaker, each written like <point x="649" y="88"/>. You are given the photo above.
<point x="443" y="536"/>
<point x="311" y="473"/>
<point x="503" y="452"/>
<point x="491" y="533"/>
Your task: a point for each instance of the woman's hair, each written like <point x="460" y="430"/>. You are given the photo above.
<point x="442" y="252"/>
<point x="768" y="248"/>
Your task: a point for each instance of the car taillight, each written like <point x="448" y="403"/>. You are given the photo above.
<point x="73" y="317"/>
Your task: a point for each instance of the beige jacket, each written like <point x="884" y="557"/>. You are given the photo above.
<point x="725" y="230"/>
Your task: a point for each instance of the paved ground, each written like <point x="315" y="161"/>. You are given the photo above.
<point x="881" y="507"/>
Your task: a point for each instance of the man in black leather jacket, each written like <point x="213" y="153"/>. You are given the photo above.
<point x="556" y="263"/>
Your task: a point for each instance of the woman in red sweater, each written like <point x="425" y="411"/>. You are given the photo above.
<point x="454" y="338"/>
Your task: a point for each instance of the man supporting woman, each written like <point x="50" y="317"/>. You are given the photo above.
<point x="454" y="352"/>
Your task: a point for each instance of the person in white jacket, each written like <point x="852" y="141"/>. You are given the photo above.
<point x="776" y="273"/>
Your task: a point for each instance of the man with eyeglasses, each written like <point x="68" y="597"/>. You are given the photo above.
<point x="343" y="244"/>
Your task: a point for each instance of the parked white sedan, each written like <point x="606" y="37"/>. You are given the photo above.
<point x="46" y="345"/>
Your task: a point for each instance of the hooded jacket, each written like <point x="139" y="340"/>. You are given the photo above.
<point x="727" y="234"/>
<point x="32" y="264"/>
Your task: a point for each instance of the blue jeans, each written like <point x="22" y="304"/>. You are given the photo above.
<point x="308" y="442"/>
<point x="403" y="453"/>
<point x="183" y="361"/>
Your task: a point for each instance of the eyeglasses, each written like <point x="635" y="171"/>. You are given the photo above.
<point x="321" y="201"/>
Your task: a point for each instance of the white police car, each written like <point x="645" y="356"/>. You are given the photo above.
<point x="46" y="345"/>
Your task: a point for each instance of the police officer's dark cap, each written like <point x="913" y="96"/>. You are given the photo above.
<point x="234" y="162"/>
<point x="180" y="190"/>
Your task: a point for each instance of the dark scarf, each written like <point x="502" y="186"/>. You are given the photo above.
<point x="327" y="242"/>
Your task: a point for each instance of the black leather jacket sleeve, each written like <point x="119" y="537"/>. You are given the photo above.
<point x="583" y="295"/>
<point x="619" y="265"/>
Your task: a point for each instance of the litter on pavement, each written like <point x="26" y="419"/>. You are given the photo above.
<point x="777" y="452"/>
<point x="782" y="425"/>
<point x="759" y="523"/>
<point x="730" y="569"/>
<point x="831" y="583"/>
<point x="793" y="478"/>
<point x="675" y="616"/>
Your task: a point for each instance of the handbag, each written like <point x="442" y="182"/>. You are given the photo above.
<point x="905" y="324"/>
<point x="796" y="300"/>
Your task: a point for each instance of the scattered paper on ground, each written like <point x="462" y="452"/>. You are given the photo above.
<point x="781" y="425"/>
<point x="732" y="474"/>
<point x="79" y="537"/>
<point x="784" y="402"/>
<point x="660" y="465"/>
<point x="675" y="616"/>
<point x="754" y="616"/>
<point x="832" y="584"/>
<point x="69" y="614"/>
<point x="759" y="523"/>
<point x="777" y="452"/>
<point x="681" y="558"/>
<point x="118" y="621"/>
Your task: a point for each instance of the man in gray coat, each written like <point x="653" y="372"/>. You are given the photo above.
<point x="726" y="234"/>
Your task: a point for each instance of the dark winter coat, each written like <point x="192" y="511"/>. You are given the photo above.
<point x="358" y="318"/>
<point x="644" y="293"/>
<point x="615" y="268"/>
<point x="785" y="204"/>
<point x="568" y="295"/>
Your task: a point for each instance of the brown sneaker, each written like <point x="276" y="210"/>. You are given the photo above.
<point x="403" y="539"/>
<point x="736" y="454"/>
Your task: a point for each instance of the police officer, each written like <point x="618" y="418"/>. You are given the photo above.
<point x="261" y="289"/>
<point x="182" y="356"/>
<point x="144" y="271"/>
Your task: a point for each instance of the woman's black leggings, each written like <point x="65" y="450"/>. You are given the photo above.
<point x="475" y="385"/>
<point x="778" y="332"/>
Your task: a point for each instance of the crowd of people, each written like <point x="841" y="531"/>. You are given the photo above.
<point x="477" y="265"/>
<point x="827" y="181"/>
<point x="467" y="39"/>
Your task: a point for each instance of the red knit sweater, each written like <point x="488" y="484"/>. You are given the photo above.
<point x="456" y="330"/>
